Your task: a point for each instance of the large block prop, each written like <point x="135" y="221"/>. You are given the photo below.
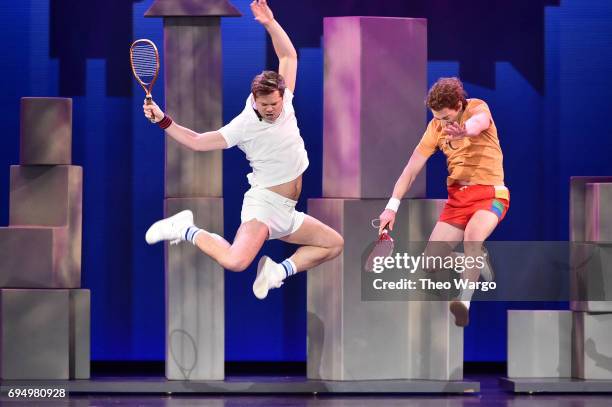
<point x="45" y="217"/>
<point x="578" y="205"/>
<point x="46" y="196"/>
<point x="351" y="339"/>
<point x="539" y="344"/>
<point x="44" y="317"/>
<point x="46" y="131"/>
<point x="194" y="180"/>
<point x="193" y="89"/>
<point x="538" y="340"/>
<point x="598" y="216"/>
<point x="35" y="257"/>
<point x="591" y="235"/>
<point x="592" y="342"/>
<point x="373" y="103"/>
<point x="196" y="43"/>
<point x="195" y="334"/>
<point x="592" y="260"/>
<point x="80" y="333"/>
<point x="591" y="277"/>
<point x="45" y="334"/>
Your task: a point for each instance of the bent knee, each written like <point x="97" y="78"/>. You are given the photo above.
<point x="236" y="264"/>
<point x="473" y="237"/>
<point x="337" y="246"/>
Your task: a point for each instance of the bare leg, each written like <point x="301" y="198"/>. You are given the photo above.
<point x="320" y="244"/>
<point x="236" y="256"/>
<point x="443" y="240"/>
<point x="478" y="229"/>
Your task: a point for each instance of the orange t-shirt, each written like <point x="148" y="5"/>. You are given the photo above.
<point x="477" y="160"/>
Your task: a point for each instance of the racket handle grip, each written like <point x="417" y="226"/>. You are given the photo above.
<point x="385" y="235"/>
<point x="148" y="100"/>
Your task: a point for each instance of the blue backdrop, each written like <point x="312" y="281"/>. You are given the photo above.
<point x="543" y="66"/>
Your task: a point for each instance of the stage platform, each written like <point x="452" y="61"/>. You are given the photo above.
<point x="245" y="385"/>
<point x="555" y="385"/>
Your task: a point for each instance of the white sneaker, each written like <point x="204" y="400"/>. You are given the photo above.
<point x="171" y="228"/>
<point x="487" y="272"/>
<point x="267" y="277"/>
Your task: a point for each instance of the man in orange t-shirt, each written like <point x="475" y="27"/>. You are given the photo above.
<point x="463" y="129"/>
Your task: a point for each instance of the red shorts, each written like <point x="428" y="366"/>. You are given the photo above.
<point x="465" y="200"/>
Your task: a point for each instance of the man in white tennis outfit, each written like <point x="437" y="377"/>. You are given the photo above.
<point x="267" y="132"/>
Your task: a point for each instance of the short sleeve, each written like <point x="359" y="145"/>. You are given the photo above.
<point x="288" y="96"/>
<point x="233" y="132"/>
<point x="481" y="106"/>
<point x="429" y="142"/>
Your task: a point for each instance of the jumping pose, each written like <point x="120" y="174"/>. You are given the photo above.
<point x="463" y="129"/>
<point x="267" y="132"/>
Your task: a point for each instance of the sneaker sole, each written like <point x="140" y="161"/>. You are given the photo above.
<point x="461" y="313"/>
<point x="260" y="285"/>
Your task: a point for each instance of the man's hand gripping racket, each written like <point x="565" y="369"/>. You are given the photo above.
<point x="384" y="245"/>
<point x="144" y="60"/>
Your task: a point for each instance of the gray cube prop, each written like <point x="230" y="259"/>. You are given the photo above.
<point x="46" y="131"/>
<point x="351" y="339"/>
<point x="194" y="46"/>
<point x="47" y="196"/>
<point x="539" y="344"/>
<point x="35" y="334"/>
<point x="373" y="103"/>
<point x="36" y="257"/>
<point x="590" y="222"/>
<point x="45" y="334"/>
<point x="189" y="8"/>
<point x="592" y="346"/>
<point x="80" y="338"/>
<point x="591" y="277"/>
<point x="46" y="207"/>
<point x="598" y="216"/>
<point x="578" y="191"/>
<point x="195" y="299"/>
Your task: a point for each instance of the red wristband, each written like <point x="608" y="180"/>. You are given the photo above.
<point x="165" y="122"/>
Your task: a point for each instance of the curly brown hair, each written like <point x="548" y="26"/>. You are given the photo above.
<point x="446" y="93"/>
<point x="267" y="82"/>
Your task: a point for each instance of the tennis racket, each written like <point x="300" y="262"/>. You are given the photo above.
<point x="144" y="59"/>
<point x="383" y="247"/>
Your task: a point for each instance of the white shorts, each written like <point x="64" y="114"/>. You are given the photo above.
<point x="276" y="211"/>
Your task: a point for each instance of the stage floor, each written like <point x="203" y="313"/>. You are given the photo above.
<point x="245" y="385"/>
<point x="555" y="385"/>
<point x="491" y="394"/>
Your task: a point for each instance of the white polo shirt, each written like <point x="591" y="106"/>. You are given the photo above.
<point x="275" y="151"/>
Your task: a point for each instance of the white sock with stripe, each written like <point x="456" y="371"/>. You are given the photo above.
<point x="289" y="268"/>
<point x="191" y="232"/>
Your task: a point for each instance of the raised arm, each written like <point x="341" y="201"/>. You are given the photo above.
<point x="471" y="128"/>
<point x="287" y="56"/>
<point x="402" y="186"/>
<point x="212" y="140"/>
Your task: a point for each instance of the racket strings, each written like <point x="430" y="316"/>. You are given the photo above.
<point x="145" y="63"/>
